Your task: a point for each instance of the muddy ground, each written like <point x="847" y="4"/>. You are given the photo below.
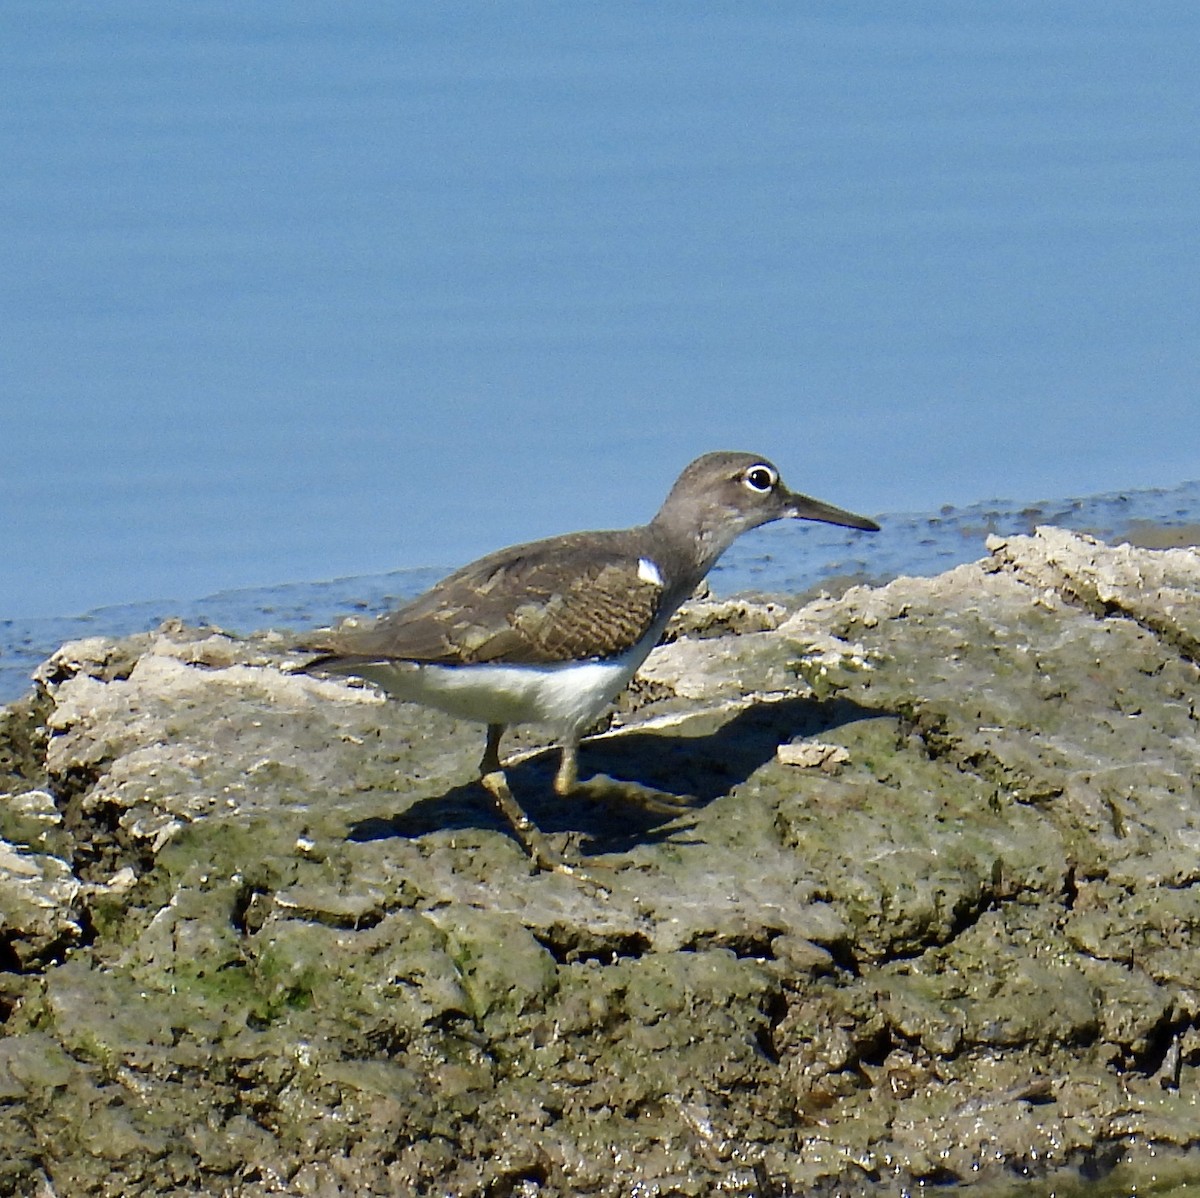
<point x="932" y="915"/>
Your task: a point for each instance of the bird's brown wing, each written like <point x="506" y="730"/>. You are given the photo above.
<point x="561" y="600"/>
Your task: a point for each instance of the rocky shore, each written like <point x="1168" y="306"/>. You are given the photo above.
<point x="932" y="916"/>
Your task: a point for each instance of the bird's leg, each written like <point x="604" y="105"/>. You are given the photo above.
<point x="530" y="837"/>
<point x="601" y="786"/>
<point x="491" y="755"/>
<point x="491" y="774"/>
<point x="566" y="780"/>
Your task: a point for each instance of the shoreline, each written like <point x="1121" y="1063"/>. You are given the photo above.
<point x="774" y="561"/>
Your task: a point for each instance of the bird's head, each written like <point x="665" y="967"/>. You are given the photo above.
<point x="722" y="495"/>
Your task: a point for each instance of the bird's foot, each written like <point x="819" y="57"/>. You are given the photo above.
<point x="657" y="802"/>
<point x="531" y="838"/>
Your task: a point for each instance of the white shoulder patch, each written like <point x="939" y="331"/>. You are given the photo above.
<point x="649" y="572"/>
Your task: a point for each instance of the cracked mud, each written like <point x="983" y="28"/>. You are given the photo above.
<point x="931" y="916"/>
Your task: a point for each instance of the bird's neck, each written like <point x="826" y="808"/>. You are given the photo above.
<point x="688" y="552"/>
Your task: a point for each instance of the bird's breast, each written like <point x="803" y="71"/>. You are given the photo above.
<point x="564" y="695"/>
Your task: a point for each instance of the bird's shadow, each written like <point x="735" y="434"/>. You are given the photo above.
<point x="698" y="769"/>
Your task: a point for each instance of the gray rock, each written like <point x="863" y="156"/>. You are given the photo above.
<point x="38" y="897"/>
<point x="265" y="936"/>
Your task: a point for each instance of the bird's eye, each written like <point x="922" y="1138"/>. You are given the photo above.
<point x="760" y="478"/>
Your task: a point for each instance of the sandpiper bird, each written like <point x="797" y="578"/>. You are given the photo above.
<point x="549" y="632"/>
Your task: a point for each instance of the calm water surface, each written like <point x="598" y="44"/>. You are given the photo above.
<point x="317" y="290"/>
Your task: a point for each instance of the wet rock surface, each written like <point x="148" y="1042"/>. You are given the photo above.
<point x="932" y="915"/>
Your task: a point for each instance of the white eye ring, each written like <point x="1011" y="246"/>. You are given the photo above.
<point x="761" y="478"/>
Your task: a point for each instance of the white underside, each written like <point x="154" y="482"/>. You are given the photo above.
<point x="565" y="696"/>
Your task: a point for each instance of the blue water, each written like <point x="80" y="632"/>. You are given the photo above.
<point x="316" y="290"/>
